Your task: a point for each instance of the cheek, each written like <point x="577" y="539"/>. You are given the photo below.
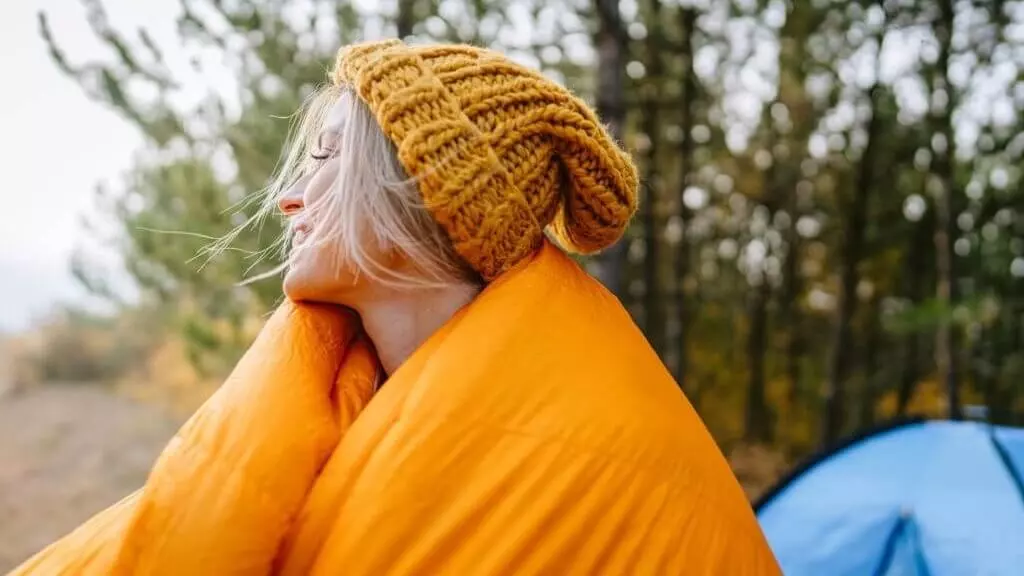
<point x="321" y="183"/>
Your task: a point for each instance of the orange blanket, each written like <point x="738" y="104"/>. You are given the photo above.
<point x="536" y="432"/>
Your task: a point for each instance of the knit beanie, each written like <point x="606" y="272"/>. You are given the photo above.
<point x="499" y="151"/>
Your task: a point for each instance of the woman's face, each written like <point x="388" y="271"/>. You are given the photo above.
<point x="316" y="269"/>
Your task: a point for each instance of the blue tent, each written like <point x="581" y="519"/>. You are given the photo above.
<point x="924" y="498"/>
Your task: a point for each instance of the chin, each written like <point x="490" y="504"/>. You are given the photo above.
<point x="300" y="285"/>
<point x="294" y="288"/>
<point x="303" y="285"/>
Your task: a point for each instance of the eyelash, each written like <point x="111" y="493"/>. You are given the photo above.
<point x="322" y="153"/>
<point x="322" y="156"/>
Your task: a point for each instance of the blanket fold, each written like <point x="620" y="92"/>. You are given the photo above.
<point x="535" y="433"/>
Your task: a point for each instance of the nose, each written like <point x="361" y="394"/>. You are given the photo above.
<point x="291" y="202"/>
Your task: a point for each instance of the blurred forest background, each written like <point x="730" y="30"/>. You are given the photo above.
<point x="831" y="231"/>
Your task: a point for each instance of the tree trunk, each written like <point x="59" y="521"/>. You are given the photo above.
<point x="945" y="347"/>
<point x="872" y="349"/>
<point x="909" y="374"/>
<point x="654" y="318"/>
<point x="688" y="19"/>
<point x="985" y="358"/>
<point x="406" y="18"/>
<point x="758" y="421"/>
<point x="791" y="310"/>
<point x="915" y="270"/>
<point x="610" y="265"/>
<point x="802" y="21"/>
<point x="851" y="254"/>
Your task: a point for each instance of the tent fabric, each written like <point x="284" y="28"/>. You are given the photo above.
<point x="1010" y="442"/>
<point x="936" y="498"/>
<point x="536" y="433"/>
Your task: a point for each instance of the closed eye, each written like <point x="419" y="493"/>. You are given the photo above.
<point x="322" y="155"/>
<point x="326" y="146"/>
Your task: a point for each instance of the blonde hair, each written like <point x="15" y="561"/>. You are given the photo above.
<point x="372" y="201"/>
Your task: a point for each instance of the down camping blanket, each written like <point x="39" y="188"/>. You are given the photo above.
<point x="535" y="433"/>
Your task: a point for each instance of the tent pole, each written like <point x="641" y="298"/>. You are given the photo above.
<point x="890" y="543"/>
<point x="1004" y="456"/>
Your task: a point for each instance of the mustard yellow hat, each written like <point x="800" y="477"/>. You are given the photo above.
<point x="499" y="151"/>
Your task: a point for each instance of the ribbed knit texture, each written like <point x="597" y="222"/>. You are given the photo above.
<point x="499" y="151"/>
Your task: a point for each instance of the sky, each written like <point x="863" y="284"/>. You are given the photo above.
<point x="56" y="147"/>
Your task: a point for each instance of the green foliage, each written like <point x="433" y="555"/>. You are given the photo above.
<point x="189" y="187"/>
<point x="977" y="310"/>
<point x="753" y="124"/>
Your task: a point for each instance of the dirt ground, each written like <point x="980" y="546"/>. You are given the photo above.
<point x="67" y="452"/>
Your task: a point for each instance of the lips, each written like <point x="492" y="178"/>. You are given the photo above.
<point x="299" y="234"/>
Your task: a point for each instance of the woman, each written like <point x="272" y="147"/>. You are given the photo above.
<point x="519" y="422"/>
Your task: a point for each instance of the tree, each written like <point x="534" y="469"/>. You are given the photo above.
<point x="203" y="162"/>
<point x="814" y="224"/>
<point x="612" y="47"/>
<point x="851" y="254"/>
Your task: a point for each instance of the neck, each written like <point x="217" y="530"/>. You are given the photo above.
<point x="399" y="323"/>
